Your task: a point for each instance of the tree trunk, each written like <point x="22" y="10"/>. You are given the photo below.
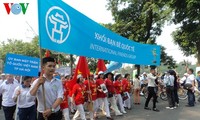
<point x="198" y="54"/>
<point x="71" y="63"/>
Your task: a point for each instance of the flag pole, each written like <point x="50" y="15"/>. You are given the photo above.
<point x="41" y="75"/>
<point x="90" y="105"/>
<point x="16" y="111"/>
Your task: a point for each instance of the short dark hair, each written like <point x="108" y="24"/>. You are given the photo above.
<point x="137" y="76"/>
<point x="26" y="78"/>
<point x="47" y="59"/>
<point x="117" y="76"/>
<point x="126" y="75"/>
<point x="198" y="72"/>
<point x="191" y="70"/>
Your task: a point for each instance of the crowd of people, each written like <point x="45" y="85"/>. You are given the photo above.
<point x="53" y="98"/>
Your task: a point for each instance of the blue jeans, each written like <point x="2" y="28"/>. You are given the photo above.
<point x="27" y="113"/>
<point x="191" y="98"/>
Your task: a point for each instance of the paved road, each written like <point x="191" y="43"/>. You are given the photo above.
<point x="138" y="112"/>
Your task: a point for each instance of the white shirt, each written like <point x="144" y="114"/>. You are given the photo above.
<point x="136" y="83"/>
<point x="143" y="78"/>
<point x="190" y="79"/>
<point x="151" y="80"/>
<point x="7" y="91"/>
<point x="23" y="102"/>
<point x="53" y="90"/>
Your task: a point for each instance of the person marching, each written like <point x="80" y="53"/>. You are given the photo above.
<point x="64" y="105"/>
<point x="169" y="82"/>
<point x="111" y="92"/>
<point x="7" y="89"/>
<point x="101" y="94"/>
<point x="53" y="92"/>
<point x="127" y="89"/>
<point x="119" y="91"/>
<point x="91" y="89"/>
<point x="151" y="90"/>
<point x="78" y="97"/>
<point x="136" y="86"/>
<point x="27" y="108"/>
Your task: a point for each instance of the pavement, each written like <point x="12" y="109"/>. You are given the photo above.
<point x="139" y="113"/>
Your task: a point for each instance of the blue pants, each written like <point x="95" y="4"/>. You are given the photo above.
<point x="27" y="113"/>
<point x="191" y="98"/>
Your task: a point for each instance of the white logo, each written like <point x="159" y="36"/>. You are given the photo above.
<point x="57" y="24"/>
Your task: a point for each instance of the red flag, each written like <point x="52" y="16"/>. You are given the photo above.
<point x="100" y="66"/>
<point x="47" y="53"/>
<point x="81" y="68"/>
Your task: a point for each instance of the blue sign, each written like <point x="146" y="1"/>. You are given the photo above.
<point x="64" y="29"/>
<point x="21" y="65"/>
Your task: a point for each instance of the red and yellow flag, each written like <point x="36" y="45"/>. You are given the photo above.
<point x="81" y="68"/>
<point x="100" y="66"/>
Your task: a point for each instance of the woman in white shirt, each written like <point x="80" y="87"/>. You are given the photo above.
<point x="27" y="108"/>
<point x="136" y="86"/>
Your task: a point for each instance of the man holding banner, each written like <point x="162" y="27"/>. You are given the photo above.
<point x="53" y="92"/>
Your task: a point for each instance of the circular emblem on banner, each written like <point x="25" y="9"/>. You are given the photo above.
<point x="57" y="24"/>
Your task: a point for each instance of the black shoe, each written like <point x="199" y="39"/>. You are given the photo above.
<point x="147" y="108"/>
<point x="156" y="110"/>
<point x="189" y="106"/>
<point x="109" y="118"/>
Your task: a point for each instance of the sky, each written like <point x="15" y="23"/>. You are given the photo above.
<point x="24" y="27"/>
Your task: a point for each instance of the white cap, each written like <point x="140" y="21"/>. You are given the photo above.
<point x="144" y="73"/>
<point x="100" y="72"/>
<point x="79" y="76"/>
<point x="3" y="74"/>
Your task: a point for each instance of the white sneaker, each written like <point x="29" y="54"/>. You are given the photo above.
<point x="124" y="112"/>
<point x="141" y="94"/>
<point x="118" y="114"/>
<point x="171" y="108"/>
<point x="174" y="107"/>
<point x="177" y="105"/>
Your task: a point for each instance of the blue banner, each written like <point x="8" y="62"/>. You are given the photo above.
<point x="64" y="29"/>
<point x="113" y="66"/>
<point x="21" y="65"/>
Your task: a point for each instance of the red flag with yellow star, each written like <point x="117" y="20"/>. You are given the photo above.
<point x="81" y="68"/>
<point x="100" y="66"/>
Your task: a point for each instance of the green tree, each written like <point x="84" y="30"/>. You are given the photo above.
<point x="141" y="20"/>
<point x="29" y="49"/>
<point x="187" y="36"/>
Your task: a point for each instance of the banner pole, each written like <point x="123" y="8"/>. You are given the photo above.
<point x="41" y="75"/>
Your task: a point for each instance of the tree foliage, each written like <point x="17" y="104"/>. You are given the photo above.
<point x="187" y="13"/>
<point x="141" y="21"/>
<point x="30" y="49"/>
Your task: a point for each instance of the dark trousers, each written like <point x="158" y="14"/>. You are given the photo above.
<point x="170" y="96"/>
<point x="27" y="113"/>
<point x="0" y="101"/>
<point x="176" y="95"/>
<point x="191" y="97"/>
<point x="53" y="116"/>
<point x="9" y="112"/>
<point x="151" y="93"/>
